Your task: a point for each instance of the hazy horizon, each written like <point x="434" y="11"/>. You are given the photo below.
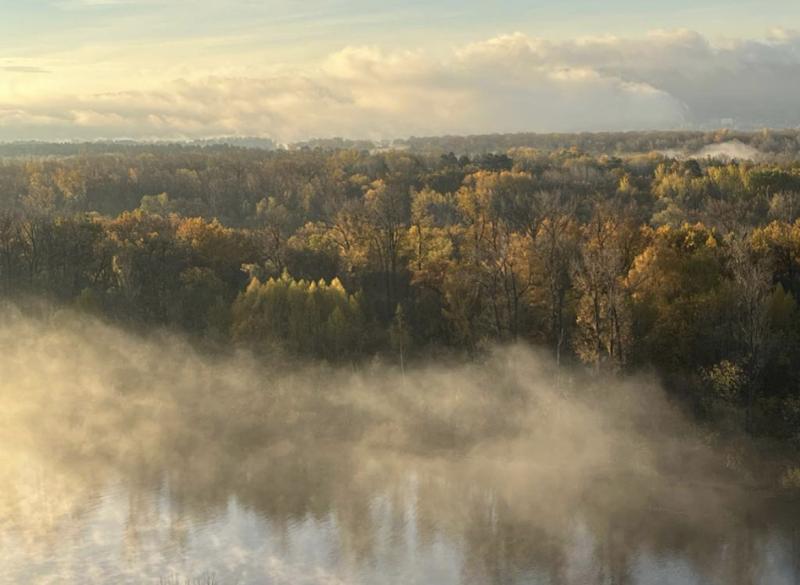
<point x="728" y="135"/>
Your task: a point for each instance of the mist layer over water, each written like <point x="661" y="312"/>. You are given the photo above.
<point x="129" y="460"/>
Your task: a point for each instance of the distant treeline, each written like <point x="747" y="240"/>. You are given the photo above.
<point x="772" y="142"/>
<point x="781" y="143"/>
<point x="691" y="267"/>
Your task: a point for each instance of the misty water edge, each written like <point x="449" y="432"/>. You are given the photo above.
<point x="141" y="460"/>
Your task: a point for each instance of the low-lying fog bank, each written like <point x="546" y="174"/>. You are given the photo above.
<point x="506" y="457"/>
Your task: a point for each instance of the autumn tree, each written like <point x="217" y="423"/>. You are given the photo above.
<point x="608" y="247"/>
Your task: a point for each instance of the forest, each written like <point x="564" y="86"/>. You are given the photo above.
<point x="616" y="253"/>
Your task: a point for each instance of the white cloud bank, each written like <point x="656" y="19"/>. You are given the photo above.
<point x="505" y="84"/>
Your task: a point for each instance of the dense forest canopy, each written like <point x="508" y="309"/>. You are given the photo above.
<point x="618" y="251"/>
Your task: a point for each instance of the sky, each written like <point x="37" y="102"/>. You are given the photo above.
<point x="293" y="70"/>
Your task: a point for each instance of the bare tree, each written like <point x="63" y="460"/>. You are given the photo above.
<point x="752" y="276"/>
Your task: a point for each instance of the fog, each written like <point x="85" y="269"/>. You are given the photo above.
<point x="731" y="150"/>
<point x="723" y="151"/>
<point x="134" y="459"/>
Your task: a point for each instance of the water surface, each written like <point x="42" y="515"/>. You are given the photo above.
<point x="127" y="460"/>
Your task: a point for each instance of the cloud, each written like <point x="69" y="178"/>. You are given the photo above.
<point x="667" y="79"/>
<point x="22" y="69"/>
<point x="751" y="81"/>
<point x="82" y="4"/>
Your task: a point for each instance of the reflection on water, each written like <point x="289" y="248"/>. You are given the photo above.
<point x="328" y="516"/>
<point x="131" y="461"/>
